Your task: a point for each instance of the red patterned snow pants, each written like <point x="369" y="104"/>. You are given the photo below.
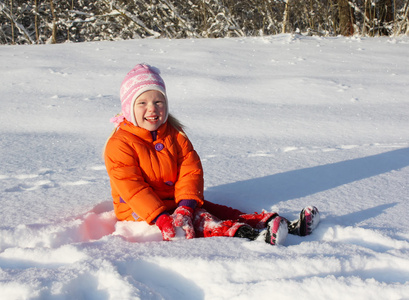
<point x="219" y="220"/>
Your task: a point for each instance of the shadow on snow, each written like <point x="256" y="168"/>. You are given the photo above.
<point x="304" y="182"/>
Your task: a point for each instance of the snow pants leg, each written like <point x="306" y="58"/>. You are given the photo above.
<point x="208" y="225"/>
<point x="219" y="220"/>
<point x="222" y="212"/>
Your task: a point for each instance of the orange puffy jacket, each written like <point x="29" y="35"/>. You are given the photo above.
<point x="149" y="177"/>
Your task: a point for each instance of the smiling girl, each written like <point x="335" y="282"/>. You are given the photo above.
<point x="156" y="175"/>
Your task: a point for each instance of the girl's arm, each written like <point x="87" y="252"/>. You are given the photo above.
<point x="189" y="184"/>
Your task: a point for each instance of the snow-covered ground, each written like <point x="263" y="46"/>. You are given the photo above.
<point x="280" y="122"/>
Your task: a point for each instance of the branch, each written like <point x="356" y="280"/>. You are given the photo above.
<point x="133" y="18"/>
<point x="404" y="20"/>
<point x="19" y="26"/>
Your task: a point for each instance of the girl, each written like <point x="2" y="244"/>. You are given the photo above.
<point x="156" y="175"/>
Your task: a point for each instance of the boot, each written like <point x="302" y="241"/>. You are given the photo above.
<point x="308" y="221"/>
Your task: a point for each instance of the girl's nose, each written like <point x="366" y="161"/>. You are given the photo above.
<point x="151" y="107"/>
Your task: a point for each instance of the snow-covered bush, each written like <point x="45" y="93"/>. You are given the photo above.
<point x="35" y="21"/>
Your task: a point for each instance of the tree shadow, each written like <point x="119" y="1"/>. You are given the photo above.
<point x="155" y="281"/>
<point x="352" y="219"/>
<point x="304" y="182"/>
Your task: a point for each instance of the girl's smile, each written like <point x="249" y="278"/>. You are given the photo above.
<point x="150" y="110"/>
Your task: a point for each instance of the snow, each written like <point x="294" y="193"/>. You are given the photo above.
<point x="280" y="122"/>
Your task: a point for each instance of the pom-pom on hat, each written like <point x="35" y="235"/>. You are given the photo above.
<point x="140" y="79"/>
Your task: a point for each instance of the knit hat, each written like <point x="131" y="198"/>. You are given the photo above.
<point x="140" y="79"/>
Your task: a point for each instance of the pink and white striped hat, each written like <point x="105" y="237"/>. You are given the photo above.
<point x="140" y="79"/>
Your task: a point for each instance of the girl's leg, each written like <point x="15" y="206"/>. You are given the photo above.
<point x="208" y="225"/>
<point x="222" y="212"/>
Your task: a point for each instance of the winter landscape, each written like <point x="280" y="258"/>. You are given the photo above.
<point x="280" y="122"/>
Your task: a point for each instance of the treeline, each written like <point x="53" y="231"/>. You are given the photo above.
<point x="52" y="21"/>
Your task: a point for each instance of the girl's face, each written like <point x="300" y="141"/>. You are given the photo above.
<point x="150" y="110"/>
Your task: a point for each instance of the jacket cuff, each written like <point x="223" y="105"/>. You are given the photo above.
<point x="188" y="202"/>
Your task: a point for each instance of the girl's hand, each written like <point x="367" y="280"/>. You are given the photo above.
<point x="166" y="226"/>
<point x="183" y="218"/>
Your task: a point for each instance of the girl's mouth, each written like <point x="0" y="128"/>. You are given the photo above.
<point x="152" y="119"/>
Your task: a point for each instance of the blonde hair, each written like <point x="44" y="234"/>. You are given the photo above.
<point x="173" y="121"/>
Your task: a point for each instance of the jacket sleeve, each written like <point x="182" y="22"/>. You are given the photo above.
<point x="189" y="184"/>
<point x="126" y="178"/>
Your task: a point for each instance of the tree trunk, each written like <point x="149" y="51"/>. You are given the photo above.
<point x="346" y="26"/>
<point x="54" y="30"/>
<point x="12" y="22"/>
<point x="286" y="15"/>
<point x="68" y="27"/>
<point x="386" y="16"/>
<point x="404" y="22"/>
<point x="36" y="21"/>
